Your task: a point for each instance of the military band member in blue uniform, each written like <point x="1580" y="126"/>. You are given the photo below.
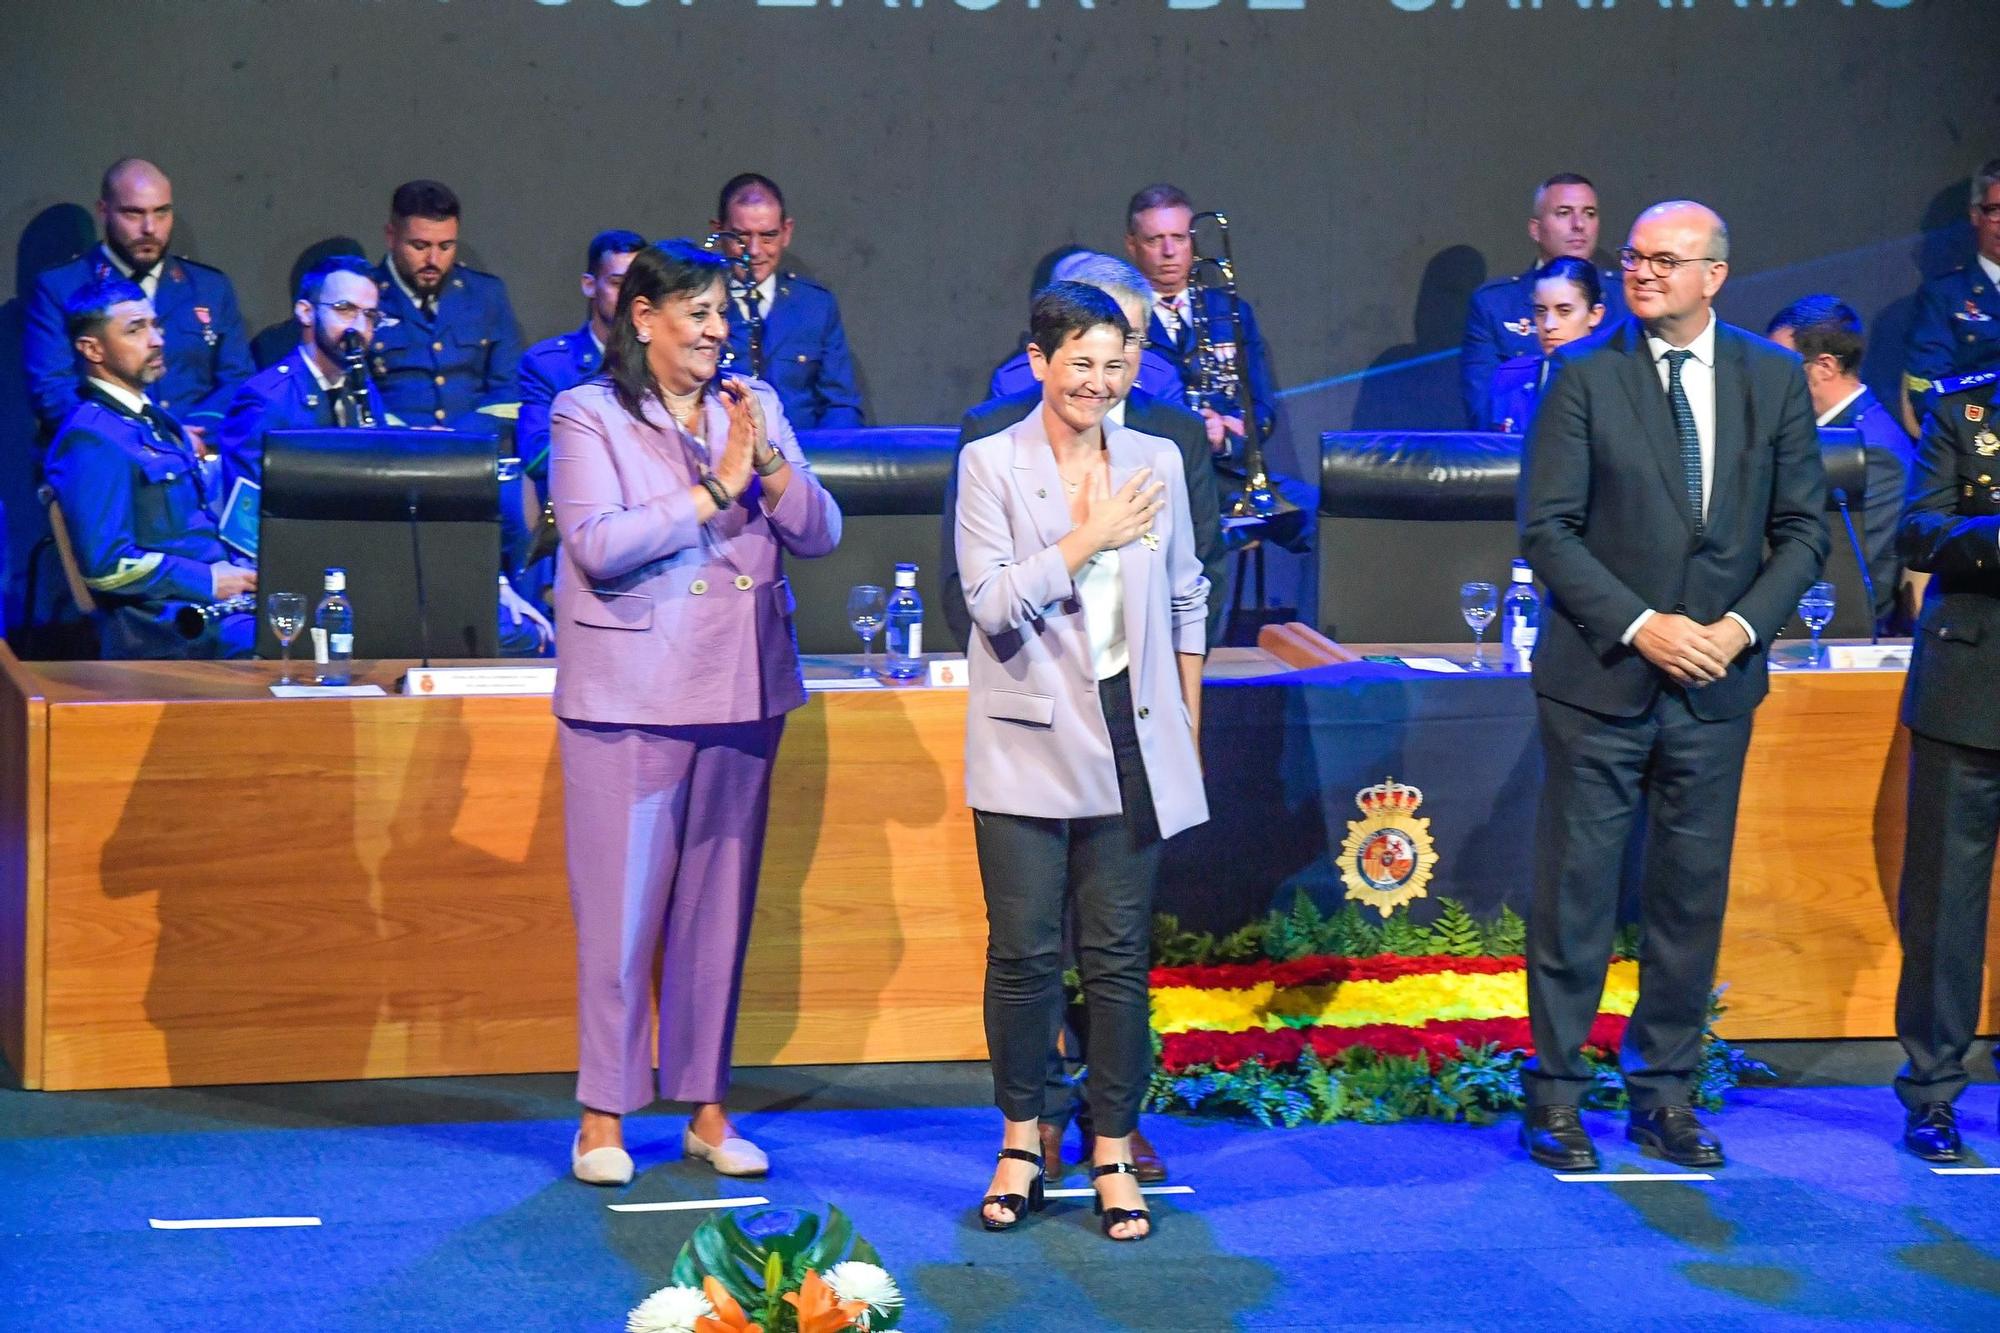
<point x="1950" y="530"/>
<point x="1957" y="325"/>
<point x="1826" y="333"/>
<point x="448" y="346"/>
<point x="568" y="359"/>
<point x="783" y="329"/>
<point x="139" y="516"/>
<point x="1499" y="320"/>
<point x="207" y="351"/>
<point x="1159" y="236"/>
<point x="1158" y="377"/>
<point x="314" y="388"/>
<point x="1566" y="305"/>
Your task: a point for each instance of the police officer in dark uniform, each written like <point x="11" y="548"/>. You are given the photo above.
<point x="1159" y="236"/>
<point x="448" y="346"/>
<point x="314" y="388"/>
<point x="1500" y="320"/>
<point x="1957" y="324"/>
<point x="568" y="359"/>
<point x="207" y="352"/>
<point x="1826" y="333"/>
<point x="783" y="329"/>
<point x="1951" y="529"/>
<point x="138" y="511"/>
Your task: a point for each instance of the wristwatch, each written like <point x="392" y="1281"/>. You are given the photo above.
<point x="770" y="465"/>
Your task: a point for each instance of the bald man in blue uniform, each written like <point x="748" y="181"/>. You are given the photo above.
<point x="207" y="351"/>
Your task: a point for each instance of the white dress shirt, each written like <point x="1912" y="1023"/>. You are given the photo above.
<point x="1174" y="311"/>
<point x="150" y="284"/>
<point x="1698" y="383"/>
<point x="1990" y="269"/>
<point x="767" y="291"/>
<point x="1840" y="406"/>
<point x="118" y="393"/>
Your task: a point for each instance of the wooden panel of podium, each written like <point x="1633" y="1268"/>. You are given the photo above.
<point x="200" y="883"/>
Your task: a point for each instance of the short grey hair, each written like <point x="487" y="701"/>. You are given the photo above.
<point x="1108" y="273"/>
<point x="1985" y="179"/>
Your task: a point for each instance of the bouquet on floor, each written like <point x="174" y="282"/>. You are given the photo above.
<point x="776" y="1270"/>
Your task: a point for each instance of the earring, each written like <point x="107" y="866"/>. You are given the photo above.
<point x="644" y="337"/>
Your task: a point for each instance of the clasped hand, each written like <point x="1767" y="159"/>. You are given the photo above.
<point x="1690" y="653"/>
<point x="749" y="443"/>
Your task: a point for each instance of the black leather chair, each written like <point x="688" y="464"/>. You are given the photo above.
<point x="1406" y="517"/>
<point x="890" y="483"/>
<point x="343" y="497"/>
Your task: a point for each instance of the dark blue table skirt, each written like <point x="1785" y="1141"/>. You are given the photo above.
<point x="1286" y="756"/>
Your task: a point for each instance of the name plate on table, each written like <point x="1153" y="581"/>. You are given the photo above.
<point x="947" y="673"/>
<point x="438" y="681"/>
<point x="1868" y="656"/>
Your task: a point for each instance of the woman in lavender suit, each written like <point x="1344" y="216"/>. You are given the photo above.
<point x="678" y="497"/>
<point x="1077" y="556"/>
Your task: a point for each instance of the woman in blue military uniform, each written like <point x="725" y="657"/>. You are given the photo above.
<point x="1567" y="304"/>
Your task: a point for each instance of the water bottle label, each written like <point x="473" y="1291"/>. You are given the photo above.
<point x="341" y="644"/>
<point x="916" y="645"/>
<point x="1521" y="635"/>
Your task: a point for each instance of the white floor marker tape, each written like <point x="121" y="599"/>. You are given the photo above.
<point x="1628" y="1177"/>
<point x="228" y="1223"/>
<point x="1965" y="1170"/>
<point x="687" y="1205"/>
<point x="1087" y="1192"/>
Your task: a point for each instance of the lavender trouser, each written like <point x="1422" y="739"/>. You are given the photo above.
<point x="665" y="830"/>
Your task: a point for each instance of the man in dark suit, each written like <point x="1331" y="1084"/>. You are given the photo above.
<point x="1672" y="507"/>
<point x="1826" y="333"/>
<point x="1951" y="530"/>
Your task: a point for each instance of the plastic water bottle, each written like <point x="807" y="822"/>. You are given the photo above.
<point x="1521" y="616"/>
<point x="333" y="630"/>
<point x="905" y="622"/>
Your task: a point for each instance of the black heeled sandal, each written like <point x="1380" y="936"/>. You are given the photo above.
<point x="1108" y="1218"/>
<point x="1020" y="1205"/>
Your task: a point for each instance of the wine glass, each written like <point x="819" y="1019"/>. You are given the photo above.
<point x="287" y="613"/>
<point x="867" y="604"/>
<point x="1479" y="603"/>
<point x="1816" y="609"/>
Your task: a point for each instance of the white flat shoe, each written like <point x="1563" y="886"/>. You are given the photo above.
<point x="733" y="1157"/>
<point x="600" y="1166"/>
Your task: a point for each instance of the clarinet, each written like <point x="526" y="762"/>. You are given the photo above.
<point x="355" y="355"/>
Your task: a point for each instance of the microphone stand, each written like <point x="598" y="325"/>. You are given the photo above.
<point x="423" y="604"/>
<point x="1861" y="562"/>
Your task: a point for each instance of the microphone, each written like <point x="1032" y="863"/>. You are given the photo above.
<point x="1860" y="561"/>
<point x="355" y="354"/>
<point x="423" y="603"/>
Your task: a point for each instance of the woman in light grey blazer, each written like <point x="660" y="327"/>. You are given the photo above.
<point x="678" y="497"/>
<point x="1090" y="611"/>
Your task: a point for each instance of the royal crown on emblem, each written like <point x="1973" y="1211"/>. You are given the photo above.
<point x="1388" y="797"/>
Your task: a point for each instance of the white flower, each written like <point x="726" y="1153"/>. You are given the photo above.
<point x="669" y="1310"/>
<point x="856" y="1281"/>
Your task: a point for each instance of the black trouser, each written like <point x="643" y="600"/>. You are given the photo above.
<point x="1598" y="771"/>
<point x="1954" y="816"/>
<point x="1069" y="1049"/>
<point x="1033" y="871"/>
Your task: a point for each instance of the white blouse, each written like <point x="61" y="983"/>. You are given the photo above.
<point x="1101" y="587"/>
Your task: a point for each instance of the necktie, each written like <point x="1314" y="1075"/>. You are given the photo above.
<point x="1684" y="425"/>
<point x="753" y="305"/>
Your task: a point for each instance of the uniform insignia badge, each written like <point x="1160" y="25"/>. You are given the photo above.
<point x="1975" y="412"/>
<point x="1986" y="444"/>
<point x="1972" y="314"/>
<point x="1520" y="328"/>
<point x="312" y="400"/>
<point x="1150" y="540"/>
<point x="207" y="326"/>
<point x="1388" y="858"/>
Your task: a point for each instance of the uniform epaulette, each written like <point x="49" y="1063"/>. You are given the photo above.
<point x="1978" y="379"/>
<point x="187" y="263"/>
<point x="800" y="278"/>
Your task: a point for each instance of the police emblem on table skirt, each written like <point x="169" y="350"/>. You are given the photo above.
<point x="1388" y="858"/>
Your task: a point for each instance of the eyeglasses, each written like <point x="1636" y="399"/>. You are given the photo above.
<point x="1661" y="266"/>
<point x="1991" y="212"/>
<point x="348" y="310"/>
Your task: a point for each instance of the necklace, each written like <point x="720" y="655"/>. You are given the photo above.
<point x="681" y="407"/>
<point x="1074" y="486"/>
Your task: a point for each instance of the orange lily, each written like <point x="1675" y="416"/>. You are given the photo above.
<point x="819" y="1310"/>
<point x="729" y="1316"/>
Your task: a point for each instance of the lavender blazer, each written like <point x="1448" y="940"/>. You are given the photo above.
<point x="660" y="620"/>
<point x="1035" y="739"/>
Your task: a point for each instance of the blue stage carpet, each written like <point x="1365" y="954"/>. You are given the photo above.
<point x="445" y="1205"/>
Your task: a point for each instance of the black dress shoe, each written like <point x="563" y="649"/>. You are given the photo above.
<point x="1052" y="1158"/>
<point x="1673" y="1132"/>
<point x="1554" y="1136"/>
<point x="1931" y="1132"/>
<point x="1152" y="1169"/>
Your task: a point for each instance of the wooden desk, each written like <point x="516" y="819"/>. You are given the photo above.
<point x="202" y="884"/>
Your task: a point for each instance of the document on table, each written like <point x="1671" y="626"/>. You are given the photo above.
<point x="327" y="691"/>
<point x="1444" y="664"/>
<point x="814" y="684"/>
